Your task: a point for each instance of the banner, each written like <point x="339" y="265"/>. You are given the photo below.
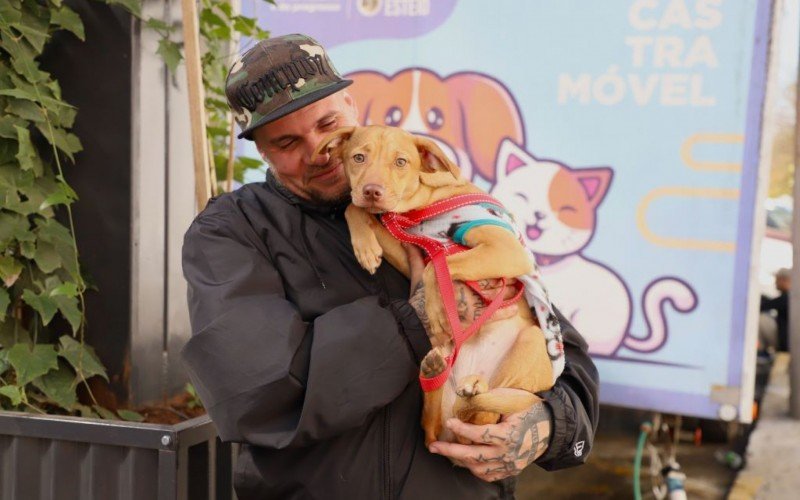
<point x="625" y="137"/>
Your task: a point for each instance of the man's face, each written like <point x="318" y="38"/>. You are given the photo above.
<point x="288" y="145"/>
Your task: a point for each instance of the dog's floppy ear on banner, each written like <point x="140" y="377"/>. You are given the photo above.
<point x="437" y="169"/>
<point x="332" y="144"/>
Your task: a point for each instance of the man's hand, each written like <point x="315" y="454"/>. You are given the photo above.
<point x="469" y="305"/>
<point x="499" y="450"/>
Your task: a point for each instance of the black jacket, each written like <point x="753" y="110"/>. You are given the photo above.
<point x="313" y="363"/>
<point x="780" y="305"/>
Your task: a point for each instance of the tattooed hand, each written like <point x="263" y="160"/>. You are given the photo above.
<point x="499" y="450"/>
<point x="469" y="305"/>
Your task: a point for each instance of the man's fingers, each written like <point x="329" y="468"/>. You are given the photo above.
<point x="461" y="453"/>
<point x="483" y="434"/>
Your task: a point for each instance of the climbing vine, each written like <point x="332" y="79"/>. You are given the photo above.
<point x="43" y="356"/>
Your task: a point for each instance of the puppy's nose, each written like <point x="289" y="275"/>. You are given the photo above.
<point x="373" y="192"/>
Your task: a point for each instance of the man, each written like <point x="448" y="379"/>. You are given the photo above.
<point x="309" y="360"/>
<point x="780" y="307"/>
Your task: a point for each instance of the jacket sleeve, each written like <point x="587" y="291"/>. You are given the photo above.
<point x="574" y="404"/>
<point x="779" y="303"/>
<point x="265" y="376"/>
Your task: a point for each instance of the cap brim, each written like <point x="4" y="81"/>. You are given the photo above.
<point x="294" y="105"/>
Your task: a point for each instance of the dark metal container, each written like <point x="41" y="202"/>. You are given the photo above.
<point x="54" y="458"/>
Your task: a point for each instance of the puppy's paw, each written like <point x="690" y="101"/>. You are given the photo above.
<point x="438" y="325"/>
<point x="472" y="385"/>
<point x="368" y="252"/>
<point x="434" y="362"/>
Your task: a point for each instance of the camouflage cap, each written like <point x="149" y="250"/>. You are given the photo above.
<point x="278" y="76"/>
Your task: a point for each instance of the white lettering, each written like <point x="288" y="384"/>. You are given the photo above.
<point x="673" y="89"/>
<point x="642" y="93"/>
<point x="406" y="8"/>
<point x="639" y="45"/>
<point x="609" y="88"/>
<point x="701" y="52"/>
<point x="667" y="52"/>
<point x="708" y="13"/>
<point x="635" y="14"/>
<point x="580" y="88"/>
<point x="697" y="98"/>
<point x="676" y="14"/>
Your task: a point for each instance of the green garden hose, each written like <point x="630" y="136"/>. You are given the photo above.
<point x="637" y="460"/>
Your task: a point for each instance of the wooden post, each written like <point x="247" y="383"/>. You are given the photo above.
<point x="197" y="115"/>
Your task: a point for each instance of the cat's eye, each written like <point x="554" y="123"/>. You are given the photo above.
<point x="359" y="158"/>
<point x="401" y="162"/>
<point x="568" y="208"/>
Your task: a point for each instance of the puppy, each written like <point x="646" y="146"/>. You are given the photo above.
<point x="501" y="366"/>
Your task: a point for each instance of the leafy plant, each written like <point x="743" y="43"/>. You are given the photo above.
<point x="194" y="399"/>
<point x="43" y="356"/>
<point x="42" y="293"/>
<point x="220" y="31"/>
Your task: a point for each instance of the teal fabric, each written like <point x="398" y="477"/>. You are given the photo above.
<point x="462" y="230"/>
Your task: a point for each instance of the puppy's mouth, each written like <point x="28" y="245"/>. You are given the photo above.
<point x="373" y="206"/>
<point x="533" y="232"/>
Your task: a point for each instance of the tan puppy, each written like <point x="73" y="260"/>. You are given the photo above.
<point x="501" y="366"/>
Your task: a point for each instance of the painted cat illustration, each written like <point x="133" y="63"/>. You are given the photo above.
<point x="556" y="207"/>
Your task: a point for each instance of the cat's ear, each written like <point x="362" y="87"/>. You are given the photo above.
<point x="509" y="158"/>
<point x="595" y="181"/>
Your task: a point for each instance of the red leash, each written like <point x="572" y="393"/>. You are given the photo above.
<point x="438" y="252"/>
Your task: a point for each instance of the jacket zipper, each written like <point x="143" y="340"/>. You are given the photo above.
<point x="387" y="455"/>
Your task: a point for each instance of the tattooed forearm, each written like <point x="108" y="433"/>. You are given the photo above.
<point x="417" y="301"/>
<point x="525" y="441"/>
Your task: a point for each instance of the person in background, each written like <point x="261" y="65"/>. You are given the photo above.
<point x="774" y="321"/>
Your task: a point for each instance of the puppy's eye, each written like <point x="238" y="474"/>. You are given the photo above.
<point x="401" y="162"/>
<point x="359" y="158"/>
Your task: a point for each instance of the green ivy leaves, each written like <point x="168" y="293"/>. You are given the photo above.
<point x="39" y="274"/>
<point x="220" y="30"/>
<point x="69" y="20"/>
<point x="31" y="362"/>
<point x="40" y="280"/>
<point x="54" y="370"/>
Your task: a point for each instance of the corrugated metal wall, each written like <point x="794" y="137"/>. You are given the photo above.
<point x="62" y="458"/>
<point x="62" y="470"/>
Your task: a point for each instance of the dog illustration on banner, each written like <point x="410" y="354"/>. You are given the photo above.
<point x="474" y="118"/>
<point x="557" y="208"/>
<point x="467" y="114"/>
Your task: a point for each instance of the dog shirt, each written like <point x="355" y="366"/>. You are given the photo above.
<point x="450" y="227"/>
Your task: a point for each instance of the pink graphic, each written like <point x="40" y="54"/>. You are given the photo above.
<point x="467" y="114"/>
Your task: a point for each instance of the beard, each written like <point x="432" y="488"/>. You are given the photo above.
<point x="329" y="199"/>
<point x="316" y="196"/>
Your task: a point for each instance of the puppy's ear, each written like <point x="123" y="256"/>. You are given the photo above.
<point x="437" y="169"/>
<point x="333" y="143"/>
